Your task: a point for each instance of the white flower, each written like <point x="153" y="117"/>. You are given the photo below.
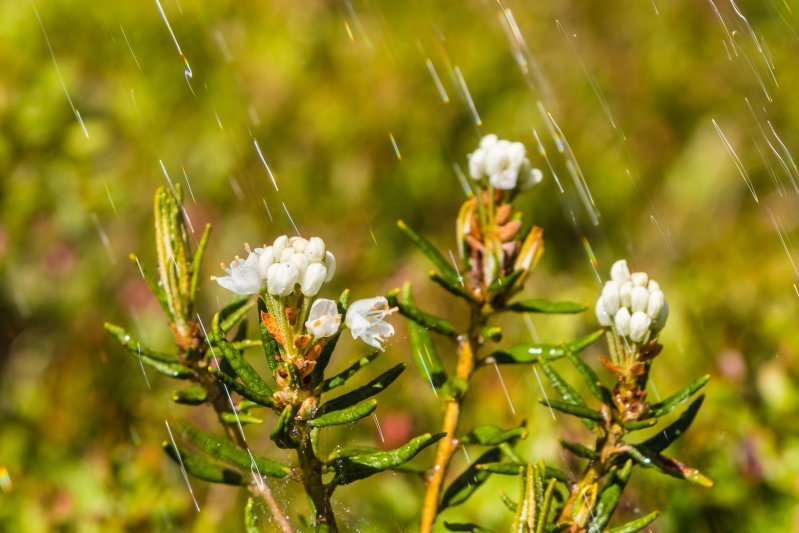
<point x="266" y="256"/>
<point x="315" y="251"/>
<point x="529" y="177"/>
<point x="312" y="281"/>
<point x="330" y="265"/>
<point x="299" y="244"/>
<point x="365" y="320"/>
<point x="301" y="262"/>
<point x="281" y="278"/>
<point x="477" y="159"/>
<point x="243" y="276"/>
<point x="632" y="304"/>
<point x="323" y="319"/>
<point x="504" y="163"/>
<point x="279" y="245"/>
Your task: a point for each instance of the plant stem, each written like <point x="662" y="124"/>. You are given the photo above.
<point x="311" y="468"/>
<point x="467" y="349"/>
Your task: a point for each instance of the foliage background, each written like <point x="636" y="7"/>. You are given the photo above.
<point x="634" y="86"/>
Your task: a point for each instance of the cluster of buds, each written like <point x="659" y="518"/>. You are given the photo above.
<point x="489" y="231"/>
<point x="632" y="304"/>
<point x="280" y="268"/>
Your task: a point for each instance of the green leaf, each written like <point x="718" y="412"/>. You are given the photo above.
<point x="282" y="434"/>
<point x="155" y="287"/>
<point x="538" y="305"/>
<point x="251" y="519"/>
<point x="233" y="312"/>
<point x="445" y="267"/>
<point x="463" y="486"/>
<point x="194" y="395"/>
<point x="505" y="283"/>
<point x="232" y="384"/>
<point x="271" y="349"/>
<point x="345" y="416"/>
<point x="375" y="386"/>
<point x="423" y="349"/>
<point x="514" y="469"/>
<point x="349" y="468"/>
<point x="668" y="465"/>
<point x="609" y="498"/>
<point x="564" y="389"/>
<point x="578" y="449"/>
<point x="243" y="369"/>
<point x="196" y="262"/>
<point x="474" y="528"/>
<point x="430" y="322"/>
<point x="235" y="419"/>
<point x="663" y="439"/>
<point x="532" y="352"/>
<point x="203" y="469"/>
<point x="493" y="435"/>
<point x="635" y="525"/>
<point x="456" y="288"/>
<point x="164" y="363"/>
<point x="226" y="452"/>
<point x="454" y="388"/>
<point x="574" y="409"/>
<point x="589" y="376"/>
<point x="340" y="379"/>
<point x="531" y="486"/>
<point x="634" y="425"/>
<point x="663" y="408"/>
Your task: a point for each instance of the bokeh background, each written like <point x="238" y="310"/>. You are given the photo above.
<point x="682" y="117"/>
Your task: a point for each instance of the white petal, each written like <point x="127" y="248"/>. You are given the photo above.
<point x="299" y="244"/>
<point x="477" y="167"/>
<point x="653" y="286"/>
<point x="488" y="141"/>
<point x="279" y="245"/>
<point x="639" y="299"/>
<point x="323" y="319"/>
<point x="611" y="297"/>
<point x="639" y="278"/>
<point x="265" y="260"/>
<point x="281" y="278"/>
<point x="619" y="272"/>
<point x="314" y="277"/>
<point x="655" y="304"/>
<point x="622" y="322"/>
<point x="601" y="315"/>
<point x="315" y="251"/>
<point x="330" y="265"/>
<point x="286" y="254"/>
<point x="301" y="262"/>
<point x="639" y="326"/>
<point x="660" y="320"/>
<point x="625" y="293"/>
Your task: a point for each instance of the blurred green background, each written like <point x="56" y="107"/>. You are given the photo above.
<point x="323" y="87"/>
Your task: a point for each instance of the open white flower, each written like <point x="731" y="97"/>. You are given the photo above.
<point x="281" y="278"/>
<point x="632" y="304"/>
<point x="323" y="319"/>
<point x="365" y="320"/>
<point x="243" y="276"/>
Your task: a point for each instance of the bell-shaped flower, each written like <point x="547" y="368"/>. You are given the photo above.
<point x="323" y="319"/>
<point x="330" y="265"/>
<point x="503" y="164"/>
<point x="312" y="281"/>
<point x="365" y="318"/>
<point x="281" y="278"/>
<point x="315" y="251"/>
<point x="620" y="272"/>
<point x="243" y="276"/>
<point x="639" y="326"/>
<point x="602" y="316"/>
<point x="266" y="257"/>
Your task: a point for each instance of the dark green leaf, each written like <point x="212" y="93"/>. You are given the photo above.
<point x="492" y="333"/>
<point x="637" y="525"/>
<point x="423" y="349"/>
<point x="538" y="305"/>
<point x="243" y="369"/>
<point x="513" y="469"/>
<point x="375" y="386"/>
<point x="664" y="438"/>
<point x="345" y="416"/>
<point x="283" y="434"/>
<point x="669" y="466"/>
<point x="578" y="449"/>
<point x="340" y="379"/>
<point x="203" y="469"/>
<point x="194" y="395"/>
<point x="196" y="262"/>
<point x="234" y="419"/>
<point x="164" y="363"/>
<point x="433" y="323"/>
<point x="666" y="406"/>
<point x="505" y="283"/>
<point x="271" y="350"/>
<point x="532" y="352"/>
<point x="349" y="468"/>
<point x="445" y="267"/>
<point x="493" y="435"/>
<point x="573" y="409"/>
<point x="237" y="387"/>
<point x="155" y="287"/>
<point x="456" y="288"/>
<point x="589" y="376"/>
<point x="474" y="528"/>
<point x="609" y="498"/>
<point x="226" y="452"/>
<point x="564" y="389"/>
<point x="634" y="425"/>
<point x="463" y="486"/>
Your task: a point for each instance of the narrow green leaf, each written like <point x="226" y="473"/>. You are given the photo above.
<point x="565" y="390"/>
<point x="271" y="350"/>
<point x="634" y="425"/>
<point x="340" y="379"/>
<point x="669" y="466"/>
<point x="282" y="434"/>
<point x="463" y="486"/>
<point x="474" y="528"/>
<point x="226" y="452"/>
<point x="574" y="409"/>
<point x="166" y="364"/>
<point x="669" y="404"/>
<point x="445" y="267"/>
<point x="589" y="376"/>
<point x="203" y="469"/>
<point x="636" y="525"/>
<point x="664" y="438"/>
<point x="243" y="369"/>
<point x="546" y="506"/>
<point x="194" y="395"/>
<point x="234" y="419"/>
<point x="578" y="449"/>
<point x="525" y="517"/>
<point x="538" y="305"/>
<point x="609" y="498"/>
<point x="232" y="384"/>
<point x="155" y="287"/>
<point x="251" y="519"/>
<point x="345" y="416"/>
<point x="493" y="435"/>
<point x="505" y="283"/>
<point x="423" y="349"/>
<point x="375" y="386"/>
<point x="349" y="468"/>
<point x="456" y="289"/>
<point x="196" y="262"/>
<point x="582" y="343"/>
<point x="513" y="469"/>
<point x="246" y="343"/>
<point x="510" y="504"/>
<point x="230" y="315"/>
<point x="532" y="352"/>
<point x="433" y="323"/>
<point x="492" y="333"/>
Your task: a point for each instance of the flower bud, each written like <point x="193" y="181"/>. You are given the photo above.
<point x="301" y="262"/>
<point x="639" y="326"/>
<point x="622" y="322"/>
<point x="286" y="254"/>
<point x="610" y="296"/>
<point x="279" y="245"/>
<point x="315" y="251"/>
<point x="619" y="272"/>
<point x="639" y="279"/>
<point x="601" y="314"/>
<point x="655" y="304"/>
<point x="299" y="244"/>
<point x="281" y="278"/>
<point x="653" y="286"/>
<point x="625" y="293"/>
<point x="265" y="260"/>
<point x="529" y="177"/>
<point x="330" y="265"/>
<point x="639" y="298"/>
<point x="313" y="279"/>
<point x="660" y="320"/>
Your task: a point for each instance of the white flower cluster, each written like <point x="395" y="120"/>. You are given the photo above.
<point x="279" y="268"/>
<point x="632" y="303"/>
<point x="365" y="318"/>
<point x="504" y="163"/>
